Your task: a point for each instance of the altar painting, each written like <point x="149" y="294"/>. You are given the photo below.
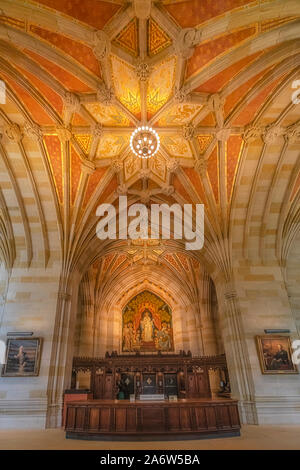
<point x="147" y="324"/>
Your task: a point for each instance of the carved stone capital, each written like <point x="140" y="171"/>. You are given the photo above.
<point x="292" y="133"/>
<point x="144" y="173"/>
<point x="186" y="41"/>
<point x="181" y="95"/>
<point x="32" y="130"/>
<point x="201" y="166"/>
<point x="215" y="102"/>
<point x="172" y="165"/>
<point x="145" y="196"/>
<point x="102" y="45"/>
<point x="252" y="132"/>
<point x="223" y="134"/>
<point x="168" y="190"/>
<point x="64" y="134"/>
<point x="71" y="102"/>
<point x="143" y="71"/>
<point x="121" y="190"/>
<point x="271" y="133"/>
<point x="188" y="132"/>
<point x="13" y="132"/>
<point x="105" y="95"/>
<point x="97" y="130"/>
<point x="142" y="9"/>
<point x="116" y="165"/>
<point x="88" y="167"/>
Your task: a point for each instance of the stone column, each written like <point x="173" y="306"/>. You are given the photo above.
<point x="61" y="359"/>
<point x="237" y="355"/>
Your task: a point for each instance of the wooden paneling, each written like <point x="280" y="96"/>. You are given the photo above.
<point x="94" y="419"/>
<point x="152" y="419"/>
<point x="131" y="422"/>
<point x="169" y="374"/>
<point x="120" y="419"/>
<point x="174" y="419"/>
<point x="107" y="417"/>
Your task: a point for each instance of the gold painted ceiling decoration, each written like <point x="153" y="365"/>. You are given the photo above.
<point x="84" y="141"/>
<point x="128" y="38"/>
<point x="126" y="85"/>
<point x="79" y="80"/>
<point x="161" y="84"/>
<point x="157" y="38"/>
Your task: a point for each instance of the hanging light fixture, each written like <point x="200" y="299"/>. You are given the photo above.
<point x="144" y="142"/>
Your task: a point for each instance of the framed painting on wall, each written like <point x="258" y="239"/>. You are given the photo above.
<point x="275" y="354"/>
<point x="22" y="357"/>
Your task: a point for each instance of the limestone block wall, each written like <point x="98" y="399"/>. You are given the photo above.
<point x="264" y="304"/>
<point x="292" y="275"/>
<point x="30" y="306"/>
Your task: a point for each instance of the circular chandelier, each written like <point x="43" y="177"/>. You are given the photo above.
<point x="144" y="142"/>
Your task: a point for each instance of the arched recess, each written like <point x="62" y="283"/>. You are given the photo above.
<point x="292" y="279"/>
<point x="103" y="332"/>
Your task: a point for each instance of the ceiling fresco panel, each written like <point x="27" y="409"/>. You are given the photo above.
<point x="53" y="98"/>
<point x="126" y="85"/>
<point x="195" y="179"/>
<point x="180" y="189"/>
<point x="158" y="166"/>
<point x="233" y="98"/>
<point x="251" y="109"/>
<point x="195" y="12"/>
<point x="158" y="39"/>
<point x="177" y="146"/>
<point x="179" y="114"/>
<point x="234" y="147"/>
<point x="34" y="109"/>
<point x="54" y="153"/>
<point x="161" y="84"/>
<point x="108" y="115"/>
<point x="85" y="141"/>
<point x="213" y="172"/>
<point x="75" y="173"/>
<point x="216" y="83"/>
<point x="93" y="182"/>
<point x="131" y="166"/>
<point x="208" y="51"/>
<point x="71" y="82"/>
<point x="111" y="145"/>
<point x="96" y="13"/>
<point x="80" y="52"/>
<point x="128" y="38"/>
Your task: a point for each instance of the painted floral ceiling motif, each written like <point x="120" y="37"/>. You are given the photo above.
<point x="80" y="76"/>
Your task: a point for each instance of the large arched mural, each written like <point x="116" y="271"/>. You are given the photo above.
<point x="147" y="324"/>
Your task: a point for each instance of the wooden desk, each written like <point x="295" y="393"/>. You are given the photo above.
<point x="74" y="395"/>
<point x="125" y="420"/>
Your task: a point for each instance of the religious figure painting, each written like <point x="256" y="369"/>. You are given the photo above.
<point x="147" y="324"/>
<point x="275" y="354"/>
<point x="22" y="357"/>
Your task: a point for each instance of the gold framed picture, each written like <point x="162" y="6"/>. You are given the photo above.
<point x="22" y="357"/>
<point x="275" y="354"/>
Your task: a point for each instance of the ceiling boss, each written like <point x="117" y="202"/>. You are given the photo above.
<point x="144" y="142"/>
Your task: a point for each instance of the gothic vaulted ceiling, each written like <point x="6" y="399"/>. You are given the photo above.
<point x="213" y="78"/>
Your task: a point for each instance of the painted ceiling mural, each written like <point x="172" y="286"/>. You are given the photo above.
<point x="147" y="324"/>
<point x="80" y="76"/>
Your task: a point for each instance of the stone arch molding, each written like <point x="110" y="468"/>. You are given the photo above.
<point x="108" y="316"/>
